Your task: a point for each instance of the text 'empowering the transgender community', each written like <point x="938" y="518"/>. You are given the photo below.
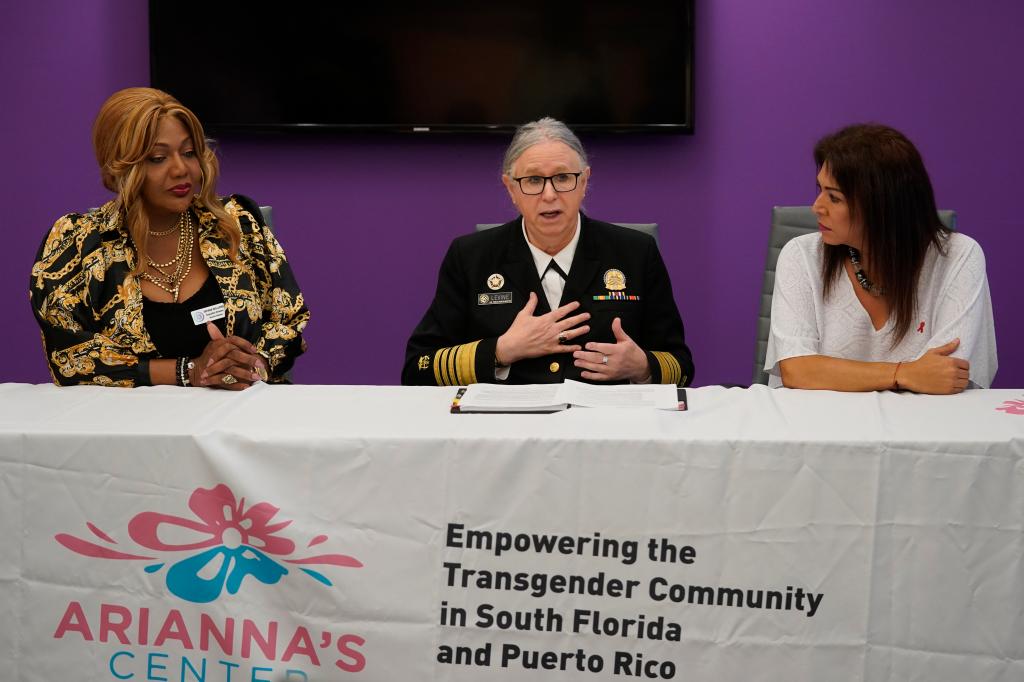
<point x="605" y="604"/>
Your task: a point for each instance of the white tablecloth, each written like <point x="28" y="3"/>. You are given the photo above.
<point x="762" y="535"/>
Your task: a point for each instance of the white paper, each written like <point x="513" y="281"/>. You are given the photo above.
<point x="539" y="397"/>
<point x="649" y="396"/>
<point x="503" y="398"/>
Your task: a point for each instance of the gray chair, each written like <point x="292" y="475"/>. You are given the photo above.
<point x="268" y="216"/>
<point x="789" y="222"/>
<point x="646" y="228"/>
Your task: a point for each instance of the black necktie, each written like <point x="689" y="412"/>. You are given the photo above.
<point x="554" y="266"/>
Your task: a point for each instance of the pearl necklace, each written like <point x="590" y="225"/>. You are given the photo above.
<point x="862" y="278"/>
<point x="182" y="261"/>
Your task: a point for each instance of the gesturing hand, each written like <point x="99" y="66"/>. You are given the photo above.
<point x="232" y="357"/>
<point x="613" y="361"/>
<point x="534" y="337"/>
<point x="935" y="372"/>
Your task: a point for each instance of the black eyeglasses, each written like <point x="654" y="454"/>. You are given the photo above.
<point x="560" y="182"/>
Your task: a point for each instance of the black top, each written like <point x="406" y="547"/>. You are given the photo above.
<point x="170" y="325"/>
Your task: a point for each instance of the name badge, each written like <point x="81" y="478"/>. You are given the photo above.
<point x="208" y="314"/>
<point x="496" y="298"/>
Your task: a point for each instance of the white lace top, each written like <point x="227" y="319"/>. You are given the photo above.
<point x="953" y="302"/>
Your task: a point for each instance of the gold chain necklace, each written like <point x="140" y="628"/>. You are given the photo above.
<point x="178" y="251"/>
<point x="171" y="281"/>
<point x="176" y="226"/>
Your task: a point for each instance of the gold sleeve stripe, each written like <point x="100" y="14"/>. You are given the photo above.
<point x="439" y="361"/>
<point x="467" y="363"/>
<point x="449" y="367"/>
<point x="452" y="365"/>
<point x="671" y="373"/>
<point x="456" y="365"/>
<point x="436" y="364"/>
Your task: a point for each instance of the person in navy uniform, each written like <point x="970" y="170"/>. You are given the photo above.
<point x="553" y="294"/>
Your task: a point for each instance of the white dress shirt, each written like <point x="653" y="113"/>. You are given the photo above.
<point x="551" y="281"/>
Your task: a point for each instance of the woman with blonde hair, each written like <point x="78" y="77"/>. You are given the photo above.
<point x="166" y="283"/>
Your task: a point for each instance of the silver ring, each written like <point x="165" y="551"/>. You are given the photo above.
<point x="604" y="359"/>
<point x="228" y="379"/>
<point x="562" y="338"/>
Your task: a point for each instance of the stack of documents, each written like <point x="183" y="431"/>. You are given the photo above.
<point x="556" y="397"/>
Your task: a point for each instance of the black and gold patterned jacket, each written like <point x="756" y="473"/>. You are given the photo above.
<point x="89" y="305"/>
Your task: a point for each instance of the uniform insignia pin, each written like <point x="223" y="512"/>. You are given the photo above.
<point x="614" y="280"/>
<point x="495" y="281"/>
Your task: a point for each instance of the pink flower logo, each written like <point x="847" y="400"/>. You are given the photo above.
<point x="233" y="542"/>
<point x="1012" y="407"/>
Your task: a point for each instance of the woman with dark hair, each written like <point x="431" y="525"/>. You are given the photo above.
<point x="884" y="296"/>
<point x="166" y="283"/>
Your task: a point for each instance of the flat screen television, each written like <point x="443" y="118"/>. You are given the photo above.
<point x="600" y="65"/>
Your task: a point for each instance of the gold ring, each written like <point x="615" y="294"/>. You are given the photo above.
<point x="261" y="372"/>
<point x="228" y="379"/>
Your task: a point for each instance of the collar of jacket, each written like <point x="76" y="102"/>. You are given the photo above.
<point x="111" y="219"/>
<point x="519" y="262"/>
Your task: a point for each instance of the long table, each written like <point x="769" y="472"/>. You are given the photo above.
<point x="334" y="533"/>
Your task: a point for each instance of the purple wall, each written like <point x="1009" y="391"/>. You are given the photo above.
<point x="365" y="220"/>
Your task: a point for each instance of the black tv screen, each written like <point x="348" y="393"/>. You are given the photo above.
<point x="456" y="66"/>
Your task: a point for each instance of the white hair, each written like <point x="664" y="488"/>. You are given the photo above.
<point x="535" y="132"/>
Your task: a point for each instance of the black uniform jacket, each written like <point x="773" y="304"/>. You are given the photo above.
<point x="486" y="278"/>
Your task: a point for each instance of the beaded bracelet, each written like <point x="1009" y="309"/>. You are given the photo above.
<point x="182" y="368"/>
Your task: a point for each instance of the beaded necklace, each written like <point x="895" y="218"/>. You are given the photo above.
<point x="164" y="233"/>
<point x="858" y="272"/>
<point x="182" y="262"/>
